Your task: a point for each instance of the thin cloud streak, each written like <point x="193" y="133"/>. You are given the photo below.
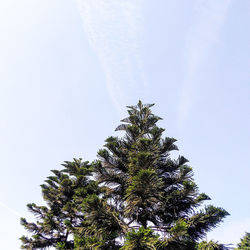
<point x="208" y="21"/>
<point x="114" y="30"/>
<point x="14" y="212"/>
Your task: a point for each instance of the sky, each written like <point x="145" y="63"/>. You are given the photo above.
<point x="68" y="68"/>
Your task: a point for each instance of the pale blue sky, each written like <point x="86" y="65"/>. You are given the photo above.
<point x="68" y="68"/>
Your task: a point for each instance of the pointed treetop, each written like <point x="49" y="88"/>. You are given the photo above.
<point x="140" y="105"/>
<point x="139" y="115"/>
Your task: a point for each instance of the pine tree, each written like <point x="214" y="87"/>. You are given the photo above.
<point x="137" y="196"/>
<point x="60" y="218"/>
<point x="146" y="188"/>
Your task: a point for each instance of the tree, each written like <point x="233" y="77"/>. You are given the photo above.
<point x="63" y="193"/>
<point x="245" y="242"/>
<point x="147" y="188"/>
<point x="144" y="199"/>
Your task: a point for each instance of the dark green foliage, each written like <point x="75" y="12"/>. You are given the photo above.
<point x="144" y="199"/>
<point x="63" y="193"/>
<point x="245" y="242"/>
<point x="211" y="245"/>
<point x="141" y="239"/>
<point x="148" y="188"/>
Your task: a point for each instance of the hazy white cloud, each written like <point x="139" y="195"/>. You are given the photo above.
<point x="114" y="31"/>
<point x="209" y="17"/>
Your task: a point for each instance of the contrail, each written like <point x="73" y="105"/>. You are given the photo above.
<point x="10" y="209"/>
<point x="208" y="21"/>
<point x="114" y="31"/>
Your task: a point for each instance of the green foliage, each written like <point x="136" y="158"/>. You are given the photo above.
<point x="179" y="230"/>
<point x="211" y="245"/>
<point x="141" y="239"/>
<point x="63" y="192"/>
<point x="88" y="243"/>
<point x="245" y="242"/>
<point x="136" y="192"/>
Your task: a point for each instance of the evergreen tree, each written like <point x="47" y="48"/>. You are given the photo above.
<point x="60" y="218"/>
<point x="245" y="242"/>
<point x="138" y="197"/>
<point x="147" y="188"/>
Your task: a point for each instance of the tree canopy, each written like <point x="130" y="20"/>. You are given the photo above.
<point x="134" y="196"/>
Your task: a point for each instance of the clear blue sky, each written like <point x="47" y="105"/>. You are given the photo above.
<point x="69" y="68"/>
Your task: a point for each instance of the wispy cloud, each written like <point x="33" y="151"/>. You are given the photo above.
<point x="208" y="20"/>
<point x="114" y="31"/>
<point x="11" y="210"/>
